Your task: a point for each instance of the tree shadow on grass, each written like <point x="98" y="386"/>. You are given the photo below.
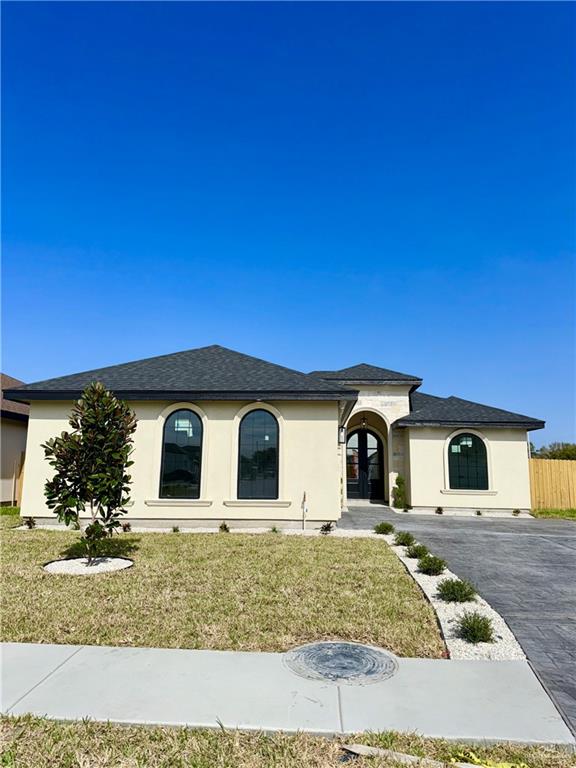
<point x="115" y="546"/>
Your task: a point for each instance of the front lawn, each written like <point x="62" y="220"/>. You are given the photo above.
<point x="564" y="514"/>
<point x="221" y="591"/>
<point x="30" y="742"/>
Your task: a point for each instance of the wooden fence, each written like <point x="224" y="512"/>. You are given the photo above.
<point x="553" y="483"/>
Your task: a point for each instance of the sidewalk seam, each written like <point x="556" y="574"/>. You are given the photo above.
<point x="340" y="717"/>
<point x="52" y="671"/>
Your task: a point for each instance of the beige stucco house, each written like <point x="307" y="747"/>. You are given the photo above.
<point x="225" y="436"/>
<point x="13" y="431"/>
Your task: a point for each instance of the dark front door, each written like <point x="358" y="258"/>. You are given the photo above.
<point x="364" y="467"/>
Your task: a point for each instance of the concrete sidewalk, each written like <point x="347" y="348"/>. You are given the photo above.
<point x="469" y="700"/>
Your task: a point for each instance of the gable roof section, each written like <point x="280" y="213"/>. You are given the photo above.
<point x="428" y="410"/>
<point x="367" y="374"/>
<point x="10" y="409"/>
<point x="206" y="373"/>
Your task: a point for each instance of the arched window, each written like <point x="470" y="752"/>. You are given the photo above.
<point x="258" y="456"/>
<point x="468" y="463"/>
<point x="181" y="456"/>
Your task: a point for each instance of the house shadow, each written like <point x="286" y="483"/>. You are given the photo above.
<point x="115" y="546"/>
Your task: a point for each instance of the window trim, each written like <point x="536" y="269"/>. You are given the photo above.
<point x="258" y="498"/>
<point x="163" y="416"/>
<point x="467" y="491"/>
<point x="235" y="453"/>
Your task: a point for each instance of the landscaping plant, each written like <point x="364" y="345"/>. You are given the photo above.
<point x="456" y="591"/>
<point x="30" y="523"/>
<point x="404" y="539"/>
<point x="475" y="628"/>
<point x="175" y="529"/>
<point x="431" y="565"/>
<point x="326" y="529"/>
<point x="383" y="528"/>
<point x="399" y="499"/>
<point x="90" y="466"/>
<point x="417" y="551"/>
<point x="439" y="511"/>
<point x="224" y="527"/>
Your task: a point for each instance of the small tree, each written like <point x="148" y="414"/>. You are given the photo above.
<point x="90" y="465"/>
<point x="399" y="499"/>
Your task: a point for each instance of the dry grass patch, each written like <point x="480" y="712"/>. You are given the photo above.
<point x="215" y="591"/>
<point x="37" y="743"/>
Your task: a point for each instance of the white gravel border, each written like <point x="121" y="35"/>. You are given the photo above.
<point x="78" y="566"/>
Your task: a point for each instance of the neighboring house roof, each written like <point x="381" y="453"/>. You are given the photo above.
<point x="206" y="373"/>
<point x="428" y="410"/>
<point x="10" y="409"/>
<point x="367" y="374"/>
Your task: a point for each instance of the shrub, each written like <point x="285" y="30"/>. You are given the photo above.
<point x="431" y="565"/>
<point x="224" y="527"/>
<point x="91" y="464"/>
<point x="384" y="528"/>
<point x="399" y="499"/>
<point x="126" y="527"/>
<point x="417" y="551"/>
<point x="406" y="509"/>
<point x="439" y="511"/>
<point x="175" y="529"/>
<point x="274" y="529"/>
<point x="475" y="628"/>
<point x="478" y="512"/>
<point x="326" y="529"/>
<point x="456" y="591"/>
<point x="404" y="539"/>
<point x="515" y="512"/>
<point x="30" y="523"/>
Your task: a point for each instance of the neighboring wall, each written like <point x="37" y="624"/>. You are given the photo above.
<point x="13" y="444"/>
<point x="308" y="461"/>
<point x="508" y="473"/>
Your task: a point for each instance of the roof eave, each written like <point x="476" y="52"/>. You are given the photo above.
<point x="181" y="395"/>
<point x="528" y="425"/>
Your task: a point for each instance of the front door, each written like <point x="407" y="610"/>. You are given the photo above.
<point x="364" y="468"/>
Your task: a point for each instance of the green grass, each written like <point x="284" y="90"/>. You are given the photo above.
<point x="244" y="592"/>
<point x="9" y="521"/>
<point x="9" y="511"/>
<point x="31" y="742"/>
<point x="565" y="514"/>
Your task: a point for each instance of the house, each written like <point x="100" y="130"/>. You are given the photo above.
<point x="225" y="436"/>
<point x="13" y="429"/>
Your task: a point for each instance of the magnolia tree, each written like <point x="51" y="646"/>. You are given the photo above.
<point x="90" y="466"/>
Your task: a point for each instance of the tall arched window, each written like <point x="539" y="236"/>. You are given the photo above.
<point x="181" y="456"/>
<point x="258" y="456"/>
<point x="468" y="463"/>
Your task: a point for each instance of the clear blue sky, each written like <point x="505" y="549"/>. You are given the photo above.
<point x="316" y="184"/>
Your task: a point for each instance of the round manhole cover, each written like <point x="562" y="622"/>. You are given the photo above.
<point x="339" y="662"/>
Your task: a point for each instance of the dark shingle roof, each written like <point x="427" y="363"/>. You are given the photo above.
<point x="10" y="409"/>
<point x="428" y="410"/>
<point x="364" y="373"/>
<point x="206" y="373"/>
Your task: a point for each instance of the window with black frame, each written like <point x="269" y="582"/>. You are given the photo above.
<point x="181" y="456"/>
<point x="468" y="463"/>
<point x="258" y="456"/>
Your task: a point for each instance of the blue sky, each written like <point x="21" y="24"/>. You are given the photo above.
<point x="317" y="184"/>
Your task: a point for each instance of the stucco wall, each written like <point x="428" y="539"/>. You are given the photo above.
<point x="13" y="443"/>
<point x="508" y="470"/>
<point x="309" y="462"/>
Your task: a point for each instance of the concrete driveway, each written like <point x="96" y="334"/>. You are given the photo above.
<point x="525" y="568"/>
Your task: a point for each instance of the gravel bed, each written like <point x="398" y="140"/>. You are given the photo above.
<point x="78" y="566"/>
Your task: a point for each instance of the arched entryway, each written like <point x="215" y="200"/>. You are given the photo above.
<point x="364" y="465"/>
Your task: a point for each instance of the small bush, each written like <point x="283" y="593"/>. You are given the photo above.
<point x="224" y="527"/>
<point x="439" y="510"/>
<point x="405" y="509"/>
<point x="274" y="529"/>
<point x="475" y="628"/>
<point x="175" y="529"/>
<point x="515" y="512"/>
<point x="431" y="565"/>
<point x="404" y="539"/>
<point x="30" y="523"/>
<point x="417" y="551"/>
<point x="326" y="529"/>
<point x="456" y="591"/>
<point x="399" y="499"/>
<point x="126" y="527"/>
<point x="478" y="512"/>
<point x="384" y="528"/>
